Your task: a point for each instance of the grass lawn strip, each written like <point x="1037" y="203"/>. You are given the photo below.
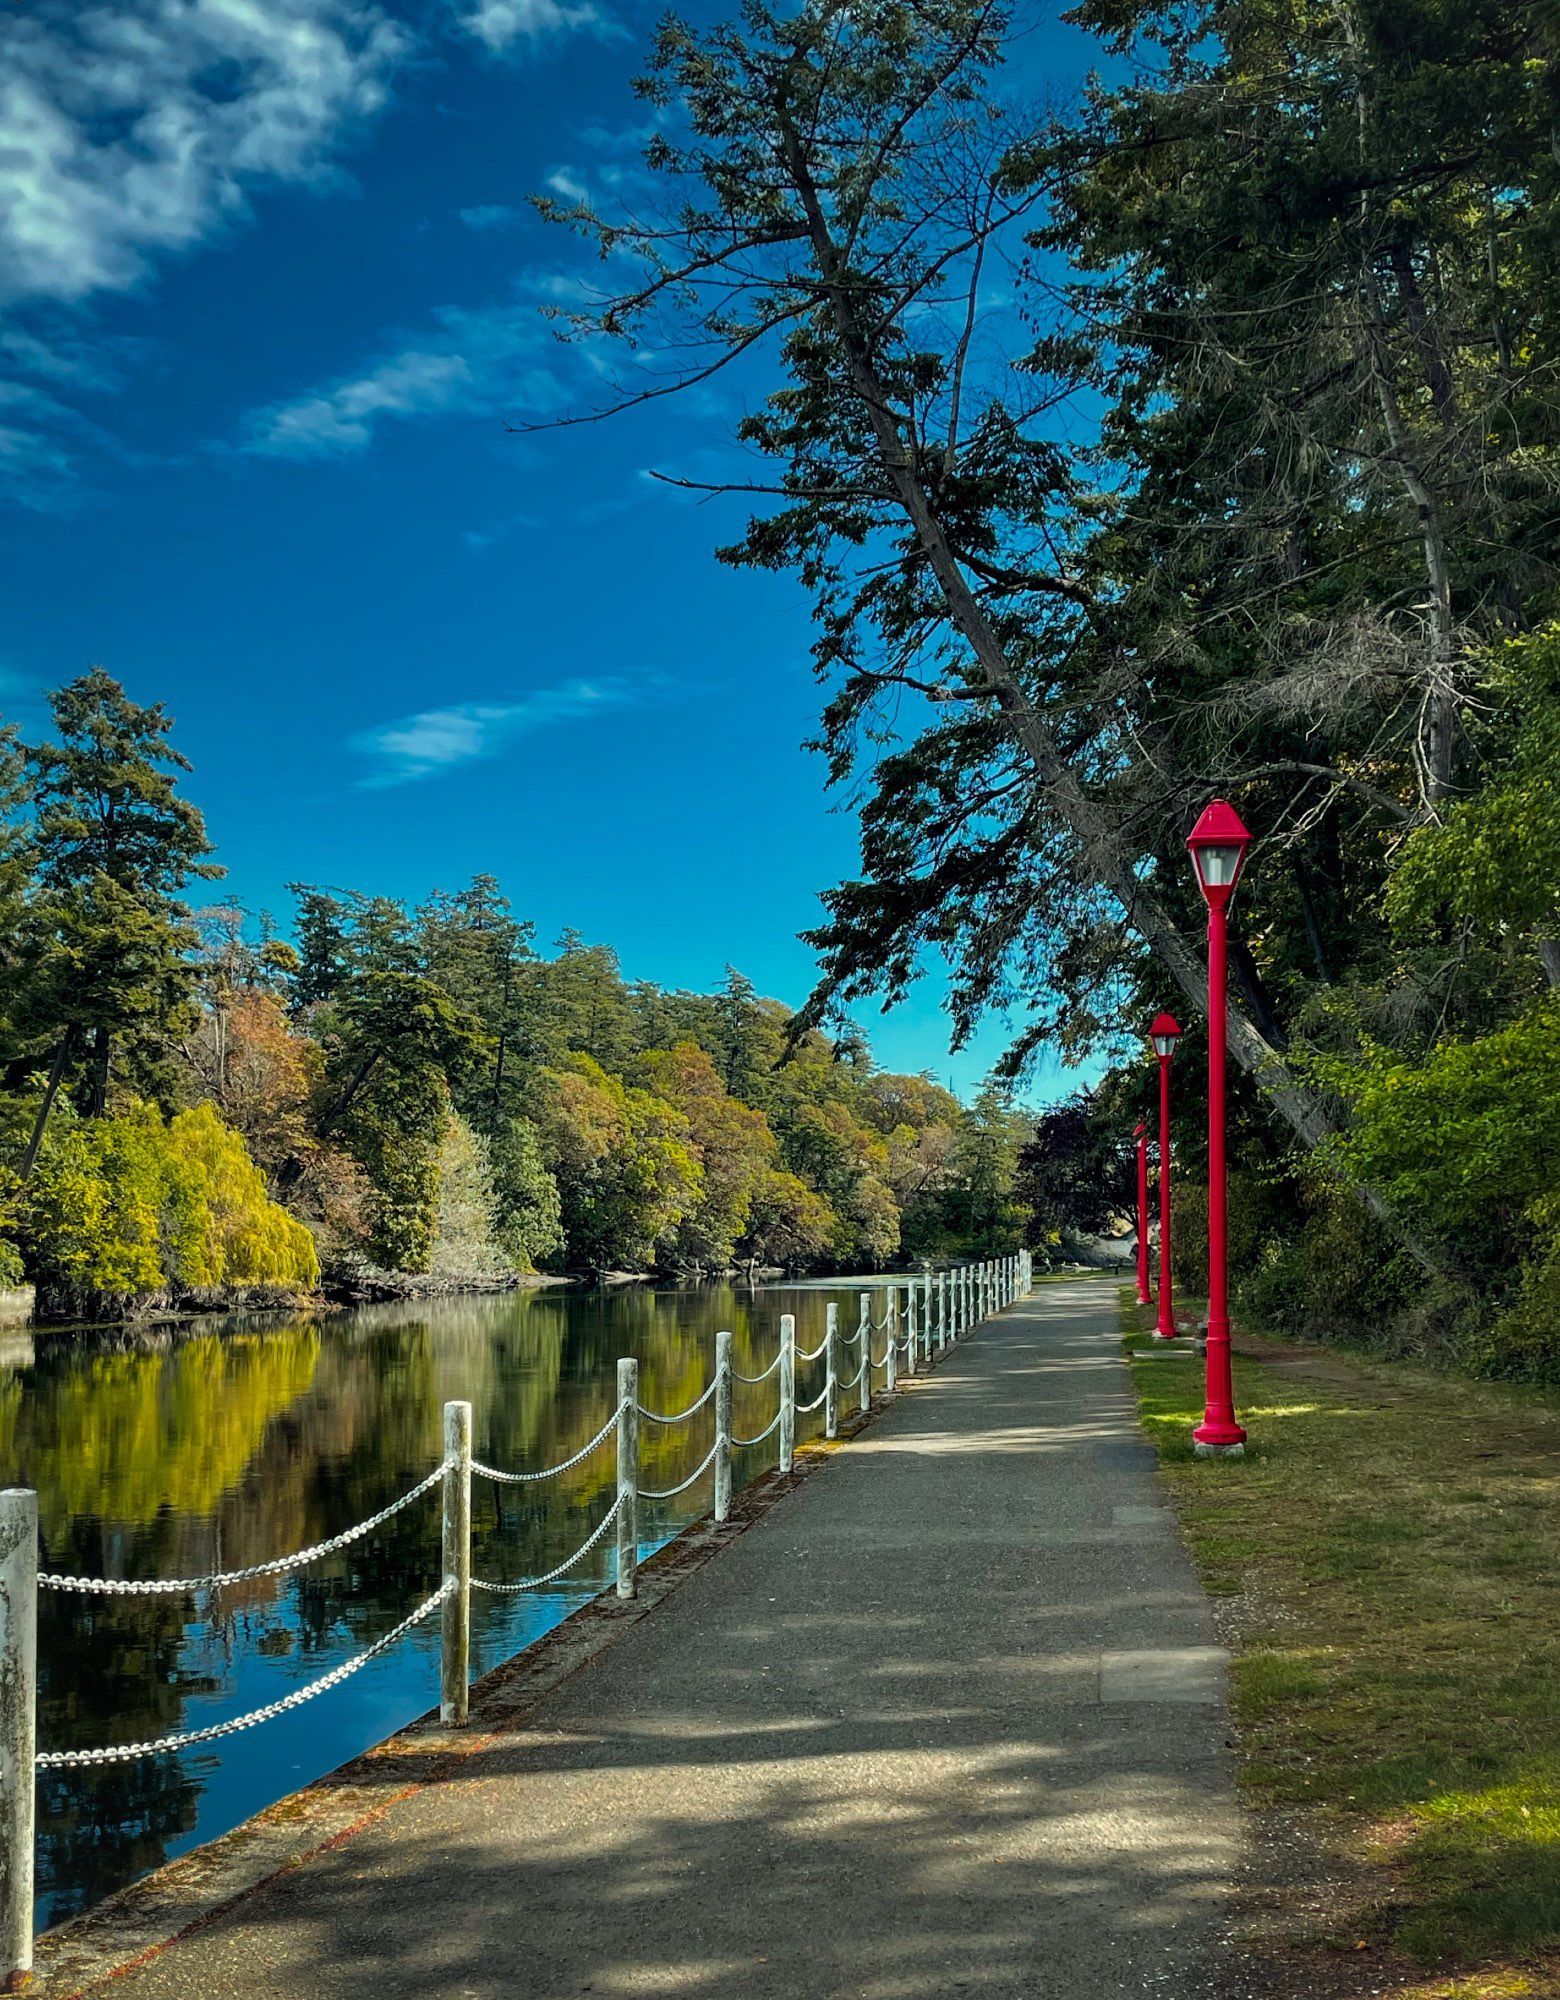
<point x="1387" y="1560"/>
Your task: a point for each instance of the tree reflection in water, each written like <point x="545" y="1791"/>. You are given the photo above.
<point x="177" y="1453"/>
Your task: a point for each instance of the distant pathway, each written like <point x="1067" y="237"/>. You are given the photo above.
<point x="945" y="1720"/>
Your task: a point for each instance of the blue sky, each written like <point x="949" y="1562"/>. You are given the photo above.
<point x="270" y="289"/>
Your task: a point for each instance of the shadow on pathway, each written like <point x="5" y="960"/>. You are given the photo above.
<point x="946" y="1719"/>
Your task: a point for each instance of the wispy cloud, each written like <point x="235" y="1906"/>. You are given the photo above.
<point x="490" y="216"/>
<point x="138" y="128"/>
<point x="483" y="539"/>
<point x="44" y="439"/>
<point x="493" y="360"/>
<point x="496" y="360"/>
<point x="501" y="24"/>
<point x="439" y="740"/>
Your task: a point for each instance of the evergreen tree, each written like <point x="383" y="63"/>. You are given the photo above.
<point x="115" y="845"/>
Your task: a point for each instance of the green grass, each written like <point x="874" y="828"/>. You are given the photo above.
<point x="1390" y="1550"/>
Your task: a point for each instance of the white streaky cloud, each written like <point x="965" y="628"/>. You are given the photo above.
<point x="495" y="361"/>
<point x="567" y="185"/>
<point x="500" y="24"/>
<point x="138" y="129"/>
<point x="439" y="740"/>
<point x="490" y="215"/>
<point x="342" y="420"/>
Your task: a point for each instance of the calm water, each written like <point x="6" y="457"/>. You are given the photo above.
<point x="219" y="1448"/>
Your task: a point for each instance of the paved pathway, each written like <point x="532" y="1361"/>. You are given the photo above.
<point x="943" y="1721"/>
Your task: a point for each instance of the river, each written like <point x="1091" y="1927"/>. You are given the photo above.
<point x="219" y="1446"/>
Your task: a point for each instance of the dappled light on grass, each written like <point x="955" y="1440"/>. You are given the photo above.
<point x="1494" y="1855"/>
<point x="1389" y="1550"/>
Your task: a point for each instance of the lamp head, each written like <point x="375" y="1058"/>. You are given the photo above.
<point x="1218" y="844"/>
<point x="1164" y="1035"/>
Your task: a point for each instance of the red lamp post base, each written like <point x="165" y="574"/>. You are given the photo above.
<point x="1173" y="1334"/>
<point x="1214" y="1439"/>
<point x="1145" y="1297"/>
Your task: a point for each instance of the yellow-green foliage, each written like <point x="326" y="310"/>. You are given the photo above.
<point x="130" y="1436"/>
<point x="130" y="1205"/>
<point x="248" y="1239"/>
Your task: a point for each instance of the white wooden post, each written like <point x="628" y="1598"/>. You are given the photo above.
<point x="455" y="1650"/>
<point x="787" y="1391"/>
<point x="891" y="1328"/>
<point x="831" y="1353"/>
<point x="18" y="1727"/>
<point x="865" y="1331"/>
<point x="722" y="1425"/>
<point x="628" y="1478"/>
<point x="942" y="1310"/>
<point x="912" y="1326"/>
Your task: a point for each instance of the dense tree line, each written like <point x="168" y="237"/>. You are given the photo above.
<point x="195" y="1104"/>
<point x="1199" y="437"/>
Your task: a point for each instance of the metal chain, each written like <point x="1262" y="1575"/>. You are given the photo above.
<point x="682" y="1416"/>
<point x="121" y="1753"/>
<point x="278" y="1566"/>
<point x="804" y="1409"/>
<point x="754" y="1380"/>
<point x="812" y="1353"/>
<point x="536" y="1582"/>
<point x="773" y="1424"/>
<point x="552" y="1472"/>
<point x="672" y="1492"/>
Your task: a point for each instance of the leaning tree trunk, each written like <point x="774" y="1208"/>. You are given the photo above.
<point x="1103" y="860"/>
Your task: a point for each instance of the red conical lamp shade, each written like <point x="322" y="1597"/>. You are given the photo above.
<point x="1164" y="1035"/>
<point x="1218" y="844"/>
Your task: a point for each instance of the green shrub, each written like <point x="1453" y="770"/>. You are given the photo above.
<point x="132" y="1207"/>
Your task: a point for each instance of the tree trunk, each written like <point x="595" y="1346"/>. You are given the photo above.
<point x="102" y="1053"/>
<point x="1101" y="859"/>
<point x="50" y="1091"/>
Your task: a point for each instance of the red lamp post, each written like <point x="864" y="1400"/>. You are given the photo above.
<point x="1164" y="1034"/>
<point x="1218" y="844"/>
<point x="1140" y="1133"/>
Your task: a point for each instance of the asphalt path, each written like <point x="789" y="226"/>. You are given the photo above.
<point x="947" y="1719"/>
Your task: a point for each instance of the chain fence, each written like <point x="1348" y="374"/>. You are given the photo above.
<point x="671" y="1492"/>
<point x="552" y="1471"/>
<point x="123" y="1753"/>
<point x="963" y="1295"/>
<point x="552" y="1575"/>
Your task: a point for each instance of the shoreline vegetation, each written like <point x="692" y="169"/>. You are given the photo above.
<point x="198" y="1113"/>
